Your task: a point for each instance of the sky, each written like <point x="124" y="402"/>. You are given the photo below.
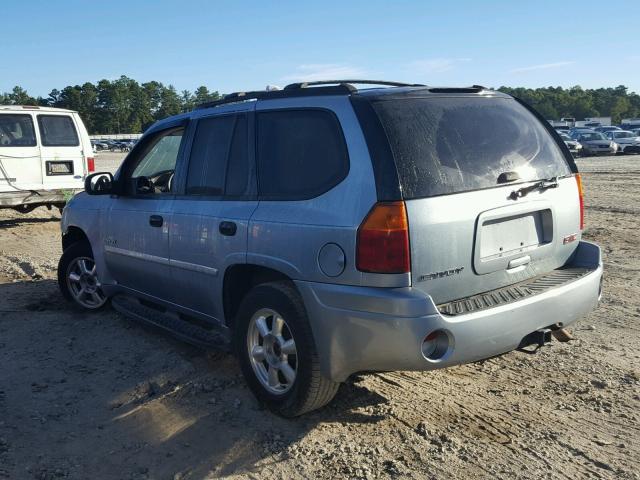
<point x="245" y="45"/>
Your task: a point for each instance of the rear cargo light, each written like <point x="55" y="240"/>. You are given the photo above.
<point x="581" y="197"/>
<point x="91" y="164"/>
<point x="383" y="240"/>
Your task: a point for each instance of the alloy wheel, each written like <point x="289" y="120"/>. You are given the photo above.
<point x="272" y="351"/>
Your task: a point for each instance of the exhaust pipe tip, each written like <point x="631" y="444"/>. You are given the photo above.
<point x="562" y="335"/>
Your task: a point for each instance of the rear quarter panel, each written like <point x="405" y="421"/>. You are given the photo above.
<point x="288" y="235"/>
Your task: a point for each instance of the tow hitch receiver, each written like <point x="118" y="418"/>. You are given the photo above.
<point x="537" y="338"/>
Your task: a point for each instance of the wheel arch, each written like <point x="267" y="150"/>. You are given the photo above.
<point x="239" y="279"/>
<point x="73" y="235"/>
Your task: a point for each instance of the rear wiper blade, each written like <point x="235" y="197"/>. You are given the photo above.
<point x="543" y="184"/>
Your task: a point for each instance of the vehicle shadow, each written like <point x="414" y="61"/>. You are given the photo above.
<point x="104" y="397"/>
<point x="20" y="221"/>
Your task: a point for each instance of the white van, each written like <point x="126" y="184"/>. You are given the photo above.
<point x="45" y="155"/>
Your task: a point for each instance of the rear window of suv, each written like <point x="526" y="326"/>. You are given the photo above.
<point x="445" y="145"/>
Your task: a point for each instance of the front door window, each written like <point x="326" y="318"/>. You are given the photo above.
<point x="154" y="168"/>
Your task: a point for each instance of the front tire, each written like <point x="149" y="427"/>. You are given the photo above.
<point x="276" y="350"/>
<point x="77" y="277"/>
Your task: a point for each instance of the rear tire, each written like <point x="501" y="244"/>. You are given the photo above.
<point x="272" y="334"/>
<point x="77" y="278"/>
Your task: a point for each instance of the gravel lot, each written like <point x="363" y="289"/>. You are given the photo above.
<point x="97" y="396"/>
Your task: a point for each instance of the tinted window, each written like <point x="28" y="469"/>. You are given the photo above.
<point x="446" y="145"/>
<point x="57" y="131"/>
<point x="16" y="131"/>
<point x="238" y="166"/>
<point x="301" y="153"/>
<point x="219" y="160"/>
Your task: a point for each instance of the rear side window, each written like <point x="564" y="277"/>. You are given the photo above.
<point x="17" y="131"/>
<point x="446" y="145"/>
<point x="57" y="131"/>
<point x="219" y="163"/>
<point x="301" y="153"/>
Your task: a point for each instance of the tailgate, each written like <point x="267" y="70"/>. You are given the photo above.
<point x="465" y="163"/>
<point x="473" y="242"/>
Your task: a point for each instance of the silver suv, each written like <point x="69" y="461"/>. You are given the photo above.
<point x="323" y="230"/>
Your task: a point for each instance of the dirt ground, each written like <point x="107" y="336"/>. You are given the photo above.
<point x="98" y="396"/>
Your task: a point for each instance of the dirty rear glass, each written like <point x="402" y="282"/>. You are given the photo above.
<point x="57" y="131"/>
<point x="446" y="145"/>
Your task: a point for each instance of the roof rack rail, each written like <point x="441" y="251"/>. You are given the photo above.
<point x="322" y="87"/>
<point x="340" y="89"/>
<point x="348" y="83"/>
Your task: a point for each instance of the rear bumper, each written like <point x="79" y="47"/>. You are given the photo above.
<point x="382" y="329"/>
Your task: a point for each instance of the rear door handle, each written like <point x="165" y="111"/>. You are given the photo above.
<point x="156" y="220"/>
<point x="228" y="228"/>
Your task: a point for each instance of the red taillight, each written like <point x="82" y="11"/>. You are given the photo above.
<point x="383" y="240"/>
<point x="581" y="197"/>
<point x="91" y="164"/>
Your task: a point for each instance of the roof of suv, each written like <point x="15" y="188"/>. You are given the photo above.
<point x="346" y="87"/>
<point x="384" y="89"/>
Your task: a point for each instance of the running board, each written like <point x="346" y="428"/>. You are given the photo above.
<point x="178" y="325"/>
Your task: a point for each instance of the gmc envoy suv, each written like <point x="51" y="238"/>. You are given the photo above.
<point x="323" y="230"/>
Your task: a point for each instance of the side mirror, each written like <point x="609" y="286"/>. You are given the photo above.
<point x="100" y="183"/>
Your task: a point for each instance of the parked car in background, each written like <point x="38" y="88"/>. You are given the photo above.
<point x="573" y="145"/>
<point x="45" y="155"/>
<point x="628" y="142"/>
<point x="562" y="128"/>
<point x="417" y="247"/>
<point x="575" y="132"/>
<point x="630" y="123"/>
<point x="607" y="128"/>
<point x="113" y="145"/>
<point x="595" y="143"/>
<point x="99" y="145"/>
<point x="126" y="145"/>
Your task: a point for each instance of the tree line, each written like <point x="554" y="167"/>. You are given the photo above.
<point x="117" y="106"/>
<point x="556" y="102"/>
<point x="126" y="106"/>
